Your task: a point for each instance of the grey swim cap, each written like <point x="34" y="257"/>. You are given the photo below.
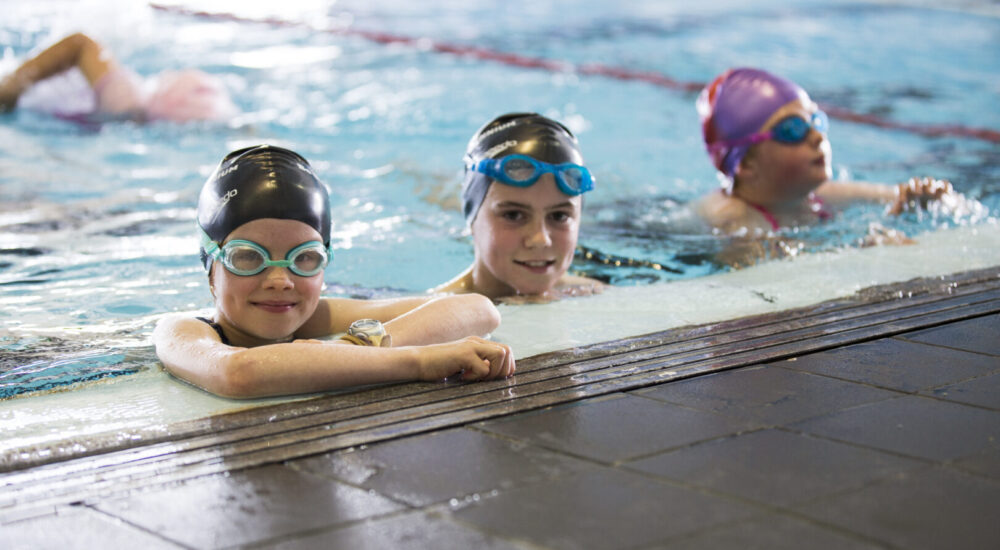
<point x="528" y="134"/>
<point x="262" y="182"/>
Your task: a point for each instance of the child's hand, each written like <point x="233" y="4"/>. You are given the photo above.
<point x="476" y="358"/>
<point x="880" y="235"/>
<point x="918" y="191"/>
<point x="9" y="92"/>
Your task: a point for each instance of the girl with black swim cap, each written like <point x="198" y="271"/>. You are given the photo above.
<point x="522" y="199"/>
<point x="265" y="223"/>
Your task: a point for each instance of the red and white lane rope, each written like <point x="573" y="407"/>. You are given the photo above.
<point x="596" y="69"/>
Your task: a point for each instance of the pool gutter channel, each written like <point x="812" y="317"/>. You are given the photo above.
<point x="286" y="431"/>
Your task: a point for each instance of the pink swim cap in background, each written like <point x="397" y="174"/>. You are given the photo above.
<point x="189" y="95"/>
<point x="735" y="105"/>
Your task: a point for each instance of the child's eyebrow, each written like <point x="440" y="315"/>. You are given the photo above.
<point x="515" y="204"/>
<point x="565" y="204"/>
<point x="511" y="204"/>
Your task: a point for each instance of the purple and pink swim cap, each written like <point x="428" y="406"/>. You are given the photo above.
<point x="735" y="105"/>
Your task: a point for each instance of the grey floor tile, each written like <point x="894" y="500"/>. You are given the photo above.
<point x="451" y="464"/>
<point x="604" y="509"/>
<point x="895" y="364"/>
<point x="246" y="507"/>
<point x="984" y="462"/>
<point x="983" y="391"/>
<point x="767" y="395"/>
<point x="413" y="531"/>
<point x="771" y="532"/>
<point x="932" y="508"/>
<point x="615" y="428"/>
<point x="73" y="528"/>
<point x="979" y="334"/>
<point x="776" y="467"/>
<point x="914" y="426"/>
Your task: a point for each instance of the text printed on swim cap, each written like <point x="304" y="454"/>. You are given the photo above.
<point x="229" y="170"/>
<point x="493" y="151"/>
<point x="496" y="129"/>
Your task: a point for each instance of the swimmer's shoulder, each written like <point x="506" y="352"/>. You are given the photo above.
<point x="461" y="284"/>
<point x="182" y="327"/>
<point x="729" y="214"/>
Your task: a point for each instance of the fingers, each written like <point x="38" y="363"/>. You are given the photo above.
<point x="493" y="360"/>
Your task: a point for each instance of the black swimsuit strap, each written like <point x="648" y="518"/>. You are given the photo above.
<point x="217" y="327"/>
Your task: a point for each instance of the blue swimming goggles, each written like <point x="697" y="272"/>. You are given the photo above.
<point x="792" y="130"/>
<point x="524" y="171"/>
<point x="247" y="258"/>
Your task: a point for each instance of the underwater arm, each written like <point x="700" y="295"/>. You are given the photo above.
<point x="76" y="50"/>
<point x="194" y="353"/>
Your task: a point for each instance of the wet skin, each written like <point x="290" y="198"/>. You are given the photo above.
<point x="270" y="306"/>
<point x="524" y="238"/>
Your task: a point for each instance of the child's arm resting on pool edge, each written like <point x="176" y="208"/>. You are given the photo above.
<point x="410" y="321"/>
<point x="191" y="350"/>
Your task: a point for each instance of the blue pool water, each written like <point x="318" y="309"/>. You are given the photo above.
<point x="96" y="222"/>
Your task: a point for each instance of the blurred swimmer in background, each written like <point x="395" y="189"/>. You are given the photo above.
<point x="112" y="91"/>
<point x="768" y="141"/>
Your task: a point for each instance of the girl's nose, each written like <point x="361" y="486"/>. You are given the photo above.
<point x="538" y="236"/>
<point x="278" y="278"/>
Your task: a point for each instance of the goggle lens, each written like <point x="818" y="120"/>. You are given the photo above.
<point x="519" y="169"/>
<point x="795" y="129"/>
<point x="574" y="178"/>
<point x="309" y="261"/>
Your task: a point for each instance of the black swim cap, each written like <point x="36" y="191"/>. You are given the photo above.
<point x="528" y="134"/>
<point x="262" y="182"/>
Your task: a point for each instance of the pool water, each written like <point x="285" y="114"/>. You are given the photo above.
<point x="97" y="235"/>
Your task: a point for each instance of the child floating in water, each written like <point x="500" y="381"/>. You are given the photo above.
<point x="265" y="222"/>
<point x="525" y="229"/>
<point x="768" y="141"/>
<point x="115" y="91"/>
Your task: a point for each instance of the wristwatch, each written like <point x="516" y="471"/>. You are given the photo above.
<point x="368" y="332"/>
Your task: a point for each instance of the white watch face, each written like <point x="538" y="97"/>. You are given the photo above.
<point x="365" y="325"/>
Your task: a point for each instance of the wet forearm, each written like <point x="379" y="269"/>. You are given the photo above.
<point x="445" y="319"/>
<point x="293" y="368"/>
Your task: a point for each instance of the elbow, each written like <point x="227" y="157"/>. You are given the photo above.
<point x="236" y="378"/>
<point x="489" y="315"/>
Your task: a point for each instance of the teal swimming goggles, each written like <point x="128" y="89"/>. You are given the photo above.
<point x="792" y="130"/>
<point x="247" y="258"/>
<point x="524" y="171"/>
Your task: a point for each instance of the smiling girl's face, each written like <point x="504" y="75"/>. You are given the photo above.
<point x="270" y="306"/>
<point x="524" y="238"/>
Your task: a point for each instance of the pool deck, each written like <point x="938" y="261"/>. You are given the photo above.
<point x="885" y="438"/>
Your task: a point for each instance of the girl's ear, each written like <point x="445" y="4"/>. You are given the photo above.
<point x="747" y="168"/>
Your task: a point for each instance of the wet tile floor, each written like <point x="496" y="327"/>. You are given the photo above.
<point x="891" y="443"/>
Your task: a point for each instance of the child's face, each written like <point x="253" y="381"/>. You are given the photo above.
<point x="271" y="305"/>
<point x="525" y="237"/>
<point x="786" y="171"/>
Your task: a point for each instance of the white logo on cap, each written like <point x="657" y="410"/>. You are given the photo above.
<point x="497" y="149"/>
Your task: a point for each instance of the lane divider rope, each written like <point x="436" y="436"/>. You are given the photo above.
<point x="590" y="69"/>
